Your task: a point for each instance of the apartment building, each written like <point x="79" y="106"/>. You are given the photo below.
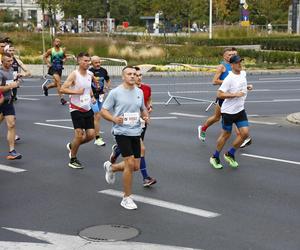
<point x="30" y="10"/>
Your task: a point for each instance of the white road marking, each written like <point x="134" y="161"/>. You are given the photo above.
<point x="162" y="117"/>
<point x="262" y="80"/>
<point x="60" y="120"/>
<point x="264" y="123"/>
<point x="254" y="115"/>
<point x="188" y="115"/>
<point x="64" y="241"/>
<point x="11" y="169"/>
<point x="215" y="91"/>
<point x="291" y="80"/>
<point x="286" y="100"/>
<point x="52" y="125"/>
<point x="30" y="86"/>
<point x="272" y="159"/>
<point x="164" y="204"/>
<point x="277" y="78"/>
<point x="28" y="99"/>
<point x="248" y="101"/>
<point x="180" y="83"/>
<point x="273" y="101"/>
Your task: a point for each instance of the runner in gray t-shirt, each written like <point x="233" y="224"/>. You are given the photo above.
<point x="123" y="100"/>
<point x="127" y="104"/>
<point x="7" y="110"/>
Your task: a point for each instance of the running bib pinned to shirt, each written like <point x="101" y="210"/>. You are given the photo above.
<point x="131" y="118"/>
<point x="8" y="82"/>
<point x="85" y="100"/>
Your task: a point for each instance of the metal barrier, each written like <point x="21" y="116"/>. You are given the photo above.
<point x="113" y="66"/>
<point x="175" y="94"/>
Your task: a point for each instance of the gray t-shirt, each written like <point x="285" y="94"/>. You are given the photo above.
<point x="128" y="103"/>
<point x="5" y="78"/>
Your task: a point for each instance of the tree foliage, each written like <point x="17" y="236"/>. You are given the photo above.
<point x="175" y="11"/>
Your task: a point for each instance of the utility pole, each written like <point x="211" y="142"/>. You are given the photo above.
<point x="108" y="17"/>
<point x="22" y="17"/>
<point x="210" y="19"/>
<point x="294" y="15"/>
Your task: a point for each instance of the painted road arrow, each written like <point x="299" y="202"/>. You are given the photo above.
<point x="71" y="242"/>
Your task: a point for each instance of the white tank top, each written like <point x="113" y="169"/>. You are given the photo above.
<point x="81" y="102"/>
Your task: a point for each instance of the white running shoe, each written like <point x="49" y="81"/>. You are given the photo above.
<point x="128" y="203"/>
<point x="99" y="142"/>
<point x="247" y="142"/>
<point x="109" y="174"/>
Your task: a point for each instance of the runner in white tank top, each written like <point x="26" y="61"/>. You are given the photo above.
<point x="78" y="86"/>
<point x="81" y="102"/>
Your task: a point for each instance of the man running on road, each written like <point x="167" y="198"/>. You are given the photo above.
<point x="7" y="110"/>
<point x="234" y="92"/>
<point x="147" y="180"/>
<point x="100" y="84"/>
<point x="127" y="103"/>
<point x="78" y="86"/>
<point x="57" y="58"/>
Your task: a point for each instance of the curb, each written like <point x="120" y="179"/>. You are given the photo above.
<point x="294" y="118"/>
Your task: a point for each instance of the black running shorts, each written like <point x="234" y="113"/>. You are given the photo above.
<point x="129" y="145"/>
<point x="240" y="120"/>
<point x="52" y="71"/>
<point x="83" y="120"/>
<point x="7" y="109"/>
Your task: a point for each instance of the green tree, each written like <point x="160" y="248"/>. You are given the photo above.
<point x="263" y="12"/>
<point x="87" y="9"/>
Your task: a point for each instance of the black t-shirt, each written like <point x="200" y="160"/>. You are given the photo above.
<point x="102" y="74"/>
<point x="15" y="65"/>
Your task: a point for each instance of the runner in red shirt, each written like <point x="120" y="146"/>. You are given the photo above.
<point x="148" y="181"/>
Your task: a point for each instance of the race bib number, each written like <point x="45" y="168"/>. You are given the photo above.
<point x="8" y="82"/>
<point x="85" y="100"/>
<point x="131" y="118"/>
<point x="101" y="97"/>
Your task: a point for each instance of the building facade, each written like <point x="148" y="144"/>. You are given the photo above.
<point x="30" y="10"/>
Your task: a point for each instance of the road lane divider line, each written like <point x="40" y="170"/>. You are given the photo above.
<point x="11" y="169"/>
<point x="164" y="204"/>
<point x="264" y="123"/>
<point x="271" y="159"/>
<point x="188" y="115"/>
<point x="162" y="117"/>
<point x="286" y="100"/>
<point x="52" y="125"/>
<point x="60" y="120"/>
<point x="28" y="99"/>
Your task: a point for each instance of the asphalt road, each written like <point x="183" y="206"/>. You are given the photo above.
<point x="255" y="206"/>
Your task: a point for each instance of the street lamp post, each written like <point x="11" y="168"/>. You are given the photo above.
<point x="22" y="14"/>
<point x="108" y="17"/>
<point x="210" y="19"/>
<point x="294" y="15"/>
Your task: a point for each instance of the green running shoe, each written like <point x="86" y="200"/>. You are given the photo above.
<point x="230" y="160"/>
<point x="215" y="162"/>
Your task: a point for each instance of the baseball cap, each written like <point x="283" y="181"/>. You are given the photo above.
<point x="235" y="59"/>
